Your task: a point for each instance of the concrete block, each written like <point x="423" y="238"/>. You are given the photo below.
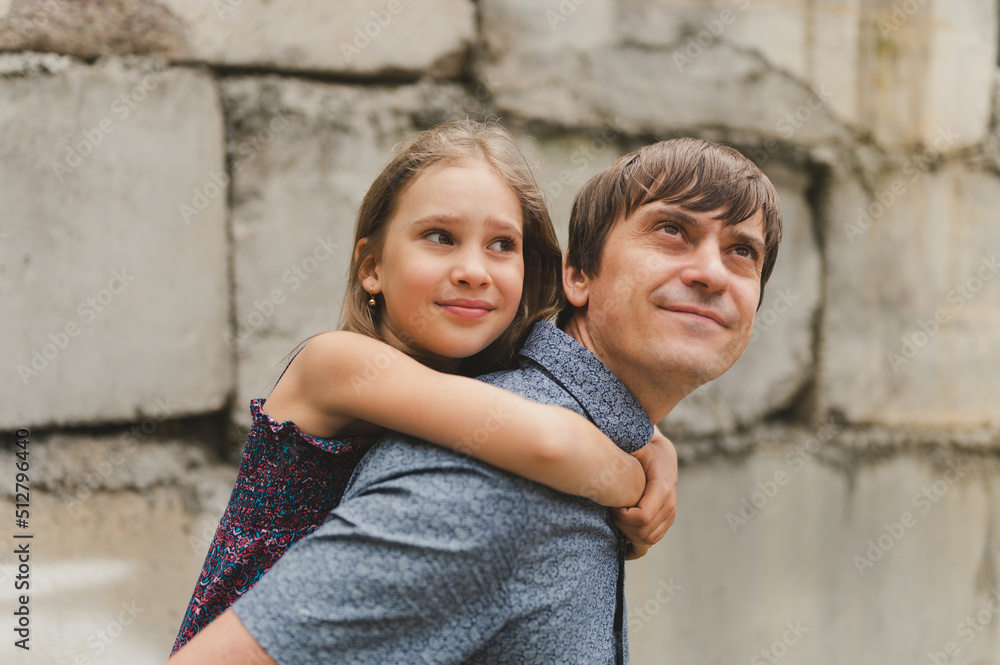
<point x="119" y="531"/>
<point x="91" y="30"/>
<point x="110" y="581"/>
<point x="912" y="298"/>
<point x="775" y="553"/>
<point x="115" y="300"/>
<point x="357" y="37"/>
<point x="304" y="154"/>
<point x="563" y="164"/>
<point x="925" y="68"/>
<point x="657" y="67"/>
<point x="599" y="71"/>
<point x="779" y="556"/>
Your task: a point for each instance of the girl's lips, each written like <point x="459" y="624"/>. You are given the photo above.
<point x="467" y="309"/>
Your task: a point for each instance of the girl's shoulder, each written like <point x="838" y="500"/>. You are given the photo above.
<point x="322" y="385"/>
<point x="344" y="344"/>
<point x="287" y="432"/>
<point x="329" y="343"/>
<point x="341" y="353"/>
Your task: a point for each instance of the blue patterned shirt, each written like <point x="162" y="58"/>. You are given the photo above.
<point x="435" y="557"/>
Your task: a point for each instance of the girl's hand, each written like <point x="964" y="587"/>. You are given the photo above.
<point x="645" y="524"/>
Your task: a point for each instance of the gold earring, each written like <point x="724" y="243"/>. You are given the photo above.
<point x="371" y="299"/>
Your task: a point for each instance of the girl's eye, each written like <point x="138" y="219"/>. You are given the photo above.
<point x="503" y="245"/>
<point x="438" y="237"/>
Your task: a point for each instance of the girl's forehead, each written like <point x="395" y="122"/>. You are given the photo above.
<point x="468" y="188"/>
<point x="460" y="179"/>
<point x="436" y="169"/>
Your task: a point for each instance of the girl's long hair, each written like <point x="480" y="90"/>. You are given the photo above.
<point x="453" y="141"/>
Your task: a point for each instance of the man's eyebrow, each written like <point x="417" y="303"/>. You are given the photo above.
<point x="680" y="215"/>
<point x="751" y="240"/>
<point x="666" y="210"/>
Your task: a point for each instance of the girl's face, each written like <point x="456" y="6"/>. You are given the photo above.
<point x="452" y="269"/>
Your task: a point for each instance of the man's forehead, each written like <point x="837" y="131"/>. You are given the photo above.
<point x="754" y="222"/>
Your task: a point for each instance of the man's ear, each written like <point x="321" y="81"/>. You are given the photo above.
<point x="367" y="269"/>
<point x="576" y="285"/>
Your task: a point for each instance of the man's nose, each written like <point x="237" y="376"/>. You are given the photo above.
<point x="471" y="269"/>
<point x="706" y="270"/>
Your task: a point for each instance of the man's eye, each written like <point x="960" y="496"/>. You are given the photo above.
<point x="438" y="237"/>
<point x="671" y="229"/>
<point x="746" y="252"/>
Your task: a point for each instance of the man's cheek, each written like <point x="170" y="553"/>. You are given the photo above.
<point x="742" y="334"/>
<point x="621" y="287"/>
<point x="747" y="307"/>
<point x="608" y="299"/>
<point x="747" y="331"/>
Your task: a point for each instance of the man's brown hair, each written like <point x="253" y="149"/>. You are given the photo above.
<point x="699" y="175"/>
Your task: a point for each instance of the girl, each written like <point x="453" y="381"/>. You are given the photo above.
<point x="455" y="260"/>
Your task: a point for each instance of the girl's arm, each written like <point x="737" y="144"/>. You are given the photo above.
<point x="645" y="524"/>
<point x="341" y="377"/>
<point x="223" y="642"/>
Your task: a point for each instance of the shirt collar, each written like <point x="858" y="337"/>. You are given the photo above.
<point x="604" y="398"/>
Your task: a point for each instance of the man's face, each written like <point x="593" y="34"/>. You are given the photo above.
<point x="675" y="298"/>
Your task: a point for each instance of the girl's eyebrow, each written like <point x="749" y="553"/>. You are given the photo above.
<point x="494" y="223"/>
<point x="434" y="220"/>
<point x="503" y="225"/>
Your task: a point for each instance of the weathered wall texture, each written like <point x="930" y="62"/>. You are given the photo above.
<point x="178" y="185"/>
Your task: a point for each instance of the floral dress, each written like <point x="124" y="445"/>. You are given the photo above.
<point x="287" y="484"/>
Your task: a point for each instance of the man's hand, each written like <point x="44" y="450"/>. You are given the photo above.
<point x="645" y="524"/>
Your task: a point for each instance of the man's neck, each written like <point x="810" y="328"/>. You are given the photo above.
<point x="656" y="397"/>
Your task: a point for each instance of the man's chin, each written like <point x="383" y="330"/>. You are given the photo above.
<point x="707" y="363"/>
<point x="715" y="352"/>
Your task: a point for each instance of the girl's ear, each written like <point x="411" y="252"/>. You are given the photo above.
<point x="576" y="285"/>
<point x="367" y="269"/>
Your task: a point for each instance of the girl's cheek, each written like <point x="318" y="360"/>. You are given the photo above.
<point x="418" y="322"/>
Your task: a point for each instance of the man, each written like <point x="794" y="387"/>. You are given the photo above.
<point x="434" y="557"/>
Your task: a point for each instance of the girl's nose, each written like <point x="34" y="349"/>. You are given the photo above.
<point x="471" y="270"/>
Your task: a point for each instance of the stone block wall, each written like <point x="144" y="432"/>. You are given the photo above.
<point x="178" y="186"/>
